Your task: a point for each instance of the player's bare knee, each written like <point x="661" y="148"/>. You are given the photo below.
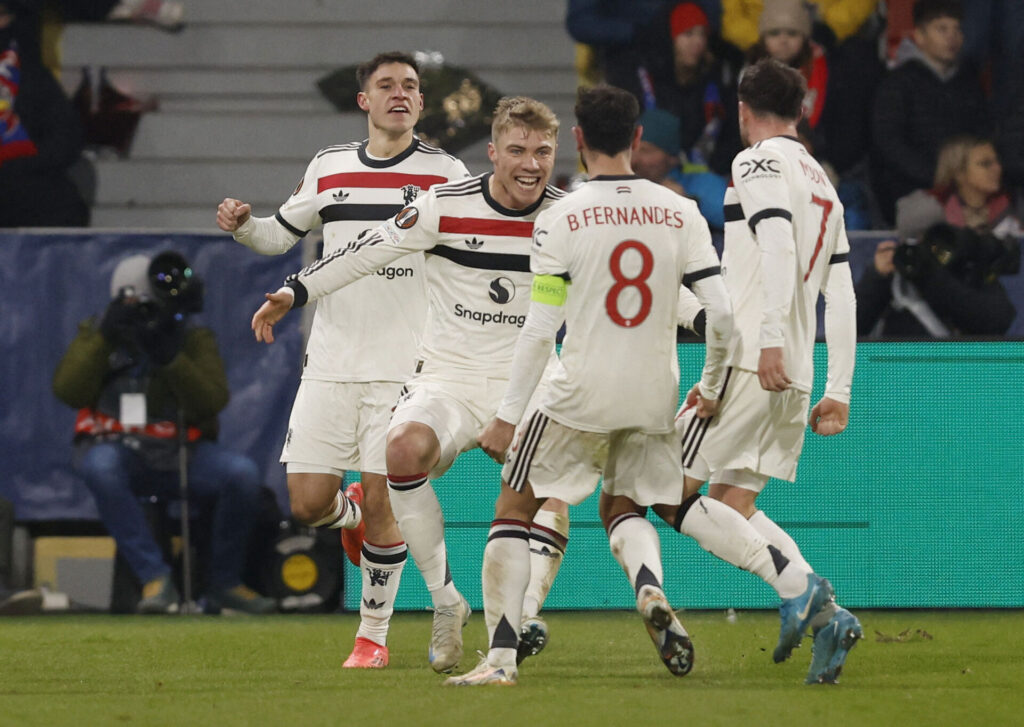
<point x="311" y="495"/>
<point x="516" y="504"/>
<point x="610" y="507"/>
<point x="552" y="504"/>
<point x="666" y="512"/>
<point x="308" y="510"/>
<point x="741" y="500"/>
<point x="410" y="449"/>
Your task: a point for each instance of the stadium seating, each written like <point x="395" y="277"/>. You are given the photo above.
<point x="239" y="110"/>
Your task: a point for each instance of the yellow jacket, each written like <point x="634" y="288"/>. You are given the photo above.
<point x="844" y="17"/>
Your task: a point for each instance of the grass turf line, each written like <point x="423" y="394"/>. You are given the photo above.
<point x="599" y="669"/>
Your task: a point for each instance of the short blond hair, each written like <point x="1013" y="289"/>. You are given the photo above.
<point x="525" y="112"/>
<point x="953" y="157"/>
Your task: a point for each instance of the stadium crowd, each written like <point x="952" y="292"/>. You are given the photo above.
<point x="888" y="82"/>
<point x="902" y="96"/>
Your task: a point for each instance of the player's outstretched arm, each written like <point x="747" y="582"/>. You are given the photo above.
<point x="829" y="417"/>
<point x="272" y="310"/>
<point x="533" y="350"/>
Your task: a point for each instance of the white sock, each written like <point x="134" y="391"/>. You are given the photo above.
<point x="723" y="532"/>
<point x="549" y="535"/>
<point x="344" y="514"/>
<point x="506" y="572"/>
<point x="418" y="512"/>
<point x="779" y="538"/>
<point x="635" y="545"/>
<point x="382" y="572"/>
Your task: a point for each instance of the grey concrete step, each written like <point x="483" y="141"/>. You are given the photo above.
<point x="290" y="84"/>
<point x="201" y="183"/>
<point x="295" y="46"/>
<point x="269" y="136"/>
<point x="383" y="11"/>
<point x="240" y="113"/>
<point x="204" y="182"/>
<point x="177" y="217"/>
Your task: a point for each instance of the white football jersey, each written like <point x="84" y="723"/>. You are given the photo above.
<point x="478" y="272"/>
<point x="370" y="330"/>
<point x="624" y="244"/>
<point x="777" y="178"/>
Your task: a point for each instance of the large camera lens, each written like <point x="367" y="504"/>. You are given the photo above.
<point x="170" y="274"/>
<point x="175" y="284"/>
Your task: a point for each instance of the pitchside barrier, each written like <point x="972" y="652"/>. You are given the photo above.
<point x="53" y="280"/>
<point x="915" y="505"/>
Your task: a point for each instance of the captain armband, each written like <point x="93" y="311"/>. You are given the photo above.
<point x="549" y="289"/>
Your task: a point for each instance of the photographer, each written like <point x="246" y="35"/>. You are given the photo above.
<point x="956" y="240"/>
<point x="128" y="376"/>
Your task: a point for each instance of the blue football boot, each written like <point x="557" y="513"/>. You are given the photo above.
<point x="796" y="614"/>
<point x="832" y="642"/>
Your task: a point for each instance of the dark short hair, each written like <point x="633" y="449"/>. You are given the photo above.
<point x="365" y="70"/>
<point x="771" y="87"/>
<point x="607" y="116"/>
<point x="926" y="11"/>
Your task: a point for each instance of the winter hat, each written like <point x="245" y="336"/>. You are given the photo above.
<point x="686" y="16"/>
<point x="785" y="15"/>
<point x="132" y="272"/>
<point x="661" y="128"/>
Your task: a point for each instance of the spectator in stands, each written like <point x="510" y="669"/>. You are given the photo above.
<point x="843" y="18"/>
<point x="621" y="31"/>
<point x="657" y="159"/>
<point x="785" y="35"/>
<point x="834" y="45"/>
<point x="40" y="135"/>
<point x="681" y="71"/>
<point x="956" y="240"/>
<point x="130" y="376"/>
<point x="925" y="100"/>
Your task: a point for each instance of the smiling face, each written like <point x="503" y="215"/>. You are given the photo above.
<point x="392" y="98"/>
<point x="523" y="159"/>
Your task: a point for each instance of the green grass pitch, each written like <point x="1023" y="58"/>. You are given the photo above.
<point x="913" y="668"/>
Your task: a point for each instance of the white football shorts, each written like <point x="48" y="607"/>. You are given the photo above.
<point x="339" y="426"/>
<point x="566" y="463"/>
<point x="754" y="435"/>
<point x="457" y="410"/>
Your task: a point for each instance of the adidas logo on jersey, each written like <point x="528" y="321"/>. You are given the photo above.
<point x="474" y="244"/>
<point x="340" y="196"/>
<point x="373" y="605"/>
